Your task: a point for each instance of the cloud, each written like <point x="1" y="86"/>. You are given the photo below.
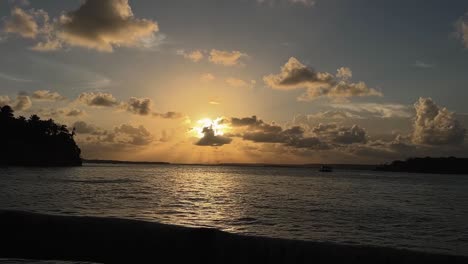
<point x="12" y="78"/>
<point x="462" y="29"/>
<point x="239" y="83"/>
<point x="47" y="95"/>
<point x="22" y="23"/>
<point x="61" y="112"/>
<point x="195" y="55"/>
<point x="98" y="99"/>
<point x="329" y="115"/>
<point x="344" y="73"/>
<point x="424" y="65"/>
<point x="75" y="112"/>
<point x="295" y="75"/>
<point x="226" y="58"/>
<point x="129" y="134"/>
<point x="435" y="125"/>
<point x="210" y="139"/>
<point x="4" y="100"/>
<point x="169" y="115"/>
<point x="82" y="127"/>
<point x="258" y="131"/>
<point x="100" y="25"/>
<point x="339" y="134"/>
<point x="139" y="106"/>
<point x="207" y="77"/>
<point x="21" y="103"/>
<point x="103" y="25"/>
<point x="376" y="109"/>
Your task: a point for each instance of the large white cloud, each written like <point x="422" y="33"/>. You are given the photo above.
<point x="436" y="125"/>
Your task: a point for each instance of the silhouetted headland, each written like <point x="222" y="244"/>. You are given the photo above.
<point x="35" y="142"/>
<point x="450" y="165"/>
<point x="112" y="240"/>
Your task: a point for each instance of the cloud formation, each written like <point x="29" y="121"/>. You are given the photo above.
<point x="21" y="103"/>
<point x="169" y="115"/>
<point x="210" y="139"/>
<point x="226" y="58"/>
<point x="139" y="106"/>
<point x="295" y="75"/>
<point x="341" y="135"/>
<point x="81" y="127"/>
<point x="22" y="23"/>
<point x="100" y="25"/>
<point x="195" y="55"/>
<point x="47" y="95"/>
<point x="435" y="125"/>
<point x="103" y="24"/>
<point x="239" y="83"/>
<point x="98" y="99"/>
<point x="376" y="109"/>
<point x="462" y="29"/>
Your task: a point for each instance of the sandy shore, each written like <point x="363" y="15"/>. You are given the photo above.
<point x="110" y="240"/>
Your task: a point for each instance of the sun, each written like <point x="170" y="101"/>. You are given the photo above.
<point x="218" y="125"/>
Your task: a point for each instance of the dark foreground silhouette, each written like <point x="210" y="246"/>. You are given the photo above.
<point x="111" y="240"/>
<point x="450" y="165"/>
<point x="35" y="142"/>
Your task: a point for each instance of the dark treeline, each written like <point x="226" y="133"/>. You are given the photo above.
<point x="35" y="142"/>
<point x="450" y="165"/>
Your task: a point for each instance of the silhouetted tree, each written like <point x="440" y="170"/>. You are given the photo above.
<point x="35" y="142"/>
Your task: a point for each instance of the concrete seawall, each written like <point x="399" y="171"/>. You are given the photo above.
<point x="111" y="240"/>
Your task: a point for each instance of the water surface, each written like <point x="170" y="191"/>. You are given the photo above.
<point x="412" y="211"/>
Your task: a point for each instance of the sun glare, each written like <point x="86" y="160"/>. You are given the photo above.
<point x="218" y="126"/>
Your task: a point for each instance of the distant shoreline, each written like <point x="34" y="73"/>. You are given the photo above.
<point x="112" y="240"/>
<point x="314" y="166"/>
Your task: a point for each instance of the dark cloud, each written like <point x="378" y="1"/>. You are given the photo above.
<point x="105" y="24"/>
<point x="169" y="115"/>
<point x="256" y="130"/>
<point x="98" y="99"/>
<point x="210" y="139"/>
<point x="82" y="127"/>
<point x="435" y="125"/>
<point x="47" y="95"/>
<point x="295" y="75"/>
<point x="101" y="25"/>
<point x="139" y="106"/>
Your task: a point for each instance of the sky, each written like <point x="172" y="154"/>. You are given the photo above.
<point x="242" y="81"/>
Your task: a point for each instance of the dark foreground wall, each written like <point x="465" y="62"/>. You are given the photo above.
<point x="36" y="236"/>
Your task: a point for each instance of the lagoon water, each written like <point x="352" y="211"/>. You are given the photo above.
<point x="401" y="210"/>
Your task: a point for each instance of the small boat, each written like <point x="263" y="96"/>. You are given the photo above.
<point x="326" y="169"/>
